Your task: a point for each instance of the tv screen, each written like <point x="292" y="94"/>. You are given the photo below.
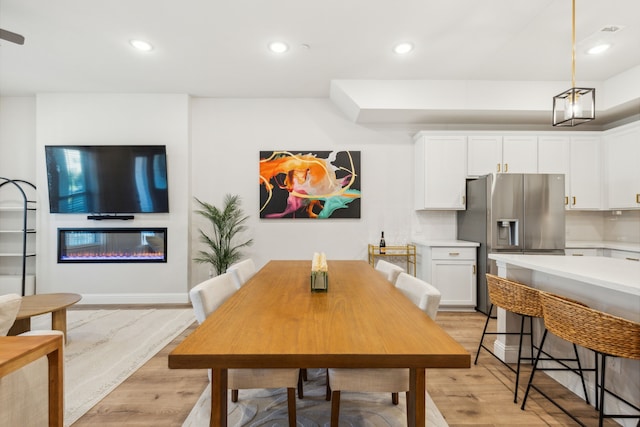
<point x="109" y="179"/>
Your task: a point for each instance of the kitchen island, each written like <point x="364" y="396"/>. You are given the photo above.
<point x="607" y="284"/>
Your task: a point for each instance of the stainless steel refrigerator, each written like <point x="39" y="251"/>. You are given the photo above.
<point x="512" y="213"/>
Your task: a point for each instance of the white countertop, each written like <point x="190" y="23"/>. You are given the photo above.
<point x="445" y="243"/>
<point x="610" y="273"/>
<point x="621" y="246"/>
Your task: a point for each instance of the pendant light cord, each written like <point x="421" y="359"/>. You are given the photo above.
<point x="573" y="44"/>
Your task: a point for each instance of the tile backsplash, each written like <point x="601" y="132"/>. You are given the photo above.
<point x="616" y="226"/>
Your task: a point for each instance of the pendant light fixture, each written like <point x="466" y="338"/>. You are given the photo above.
<point x="578" y="104"/>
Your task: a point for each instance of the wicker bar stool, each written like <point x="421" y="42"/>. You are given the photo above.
<point x="605" y="334"/>
<point x="524" y="301"/>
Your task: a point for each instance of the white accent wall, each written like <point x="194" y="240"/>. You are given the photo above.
<point x="108" y="119"/>
<point x="227" y="136"/>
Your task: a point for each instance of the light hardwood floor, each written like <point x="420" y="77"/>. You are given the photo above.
<point x="481" y="396"/>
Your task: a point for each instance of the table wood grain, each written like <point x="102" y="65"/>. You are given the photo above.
<point x="275" y="321"/>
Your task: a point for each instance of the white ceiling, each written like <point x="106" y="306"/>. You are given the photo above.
<point x="218" y="48"/>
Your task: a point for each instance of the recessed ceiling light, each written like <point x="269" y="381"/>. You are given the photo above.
<point x="141" y="45"/>
<point x="278" y="47"/>
<point x="403" y="48"/>
<point x="598" y="49"/>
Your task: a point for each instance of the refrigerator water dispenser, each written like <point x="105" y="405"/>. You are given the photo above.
<point x="508" y="232"/>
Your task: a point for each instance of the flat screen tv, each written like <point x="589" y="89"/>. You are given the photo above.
<point x="107" y="179"/>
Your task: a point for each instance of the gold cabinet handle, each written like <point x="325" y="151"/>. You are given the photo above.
<point x="474" y="269"/>
<point x="506" y="167"/>
<point x="464" y="200"/>
<point x="498" y="167"/>
<point x="633" y="259"/>
<point x="638" y="198"/>
<point x="574" y="200"/>
<point x="454" y="253"/>
<point x="566" y="200"/>
<point x="577" y="254"/>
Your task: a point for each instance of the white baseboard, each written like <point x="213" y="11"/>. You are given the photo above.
<point x="507" y="353"/>
<point x="176" y="298"/>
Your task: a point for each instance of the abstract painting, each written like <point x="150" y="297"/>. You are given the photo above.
<point x="310" y="184"/>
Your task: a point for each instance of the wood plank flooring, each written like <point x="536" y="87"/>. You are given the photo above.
<point x="481" y="396"/>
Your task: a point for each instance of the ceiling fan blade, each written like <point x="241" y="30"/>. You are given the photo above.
<point x="11" y="37"/>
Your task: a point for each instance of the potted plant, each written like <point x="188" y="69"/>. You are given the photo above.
<point x="227" y="223"/>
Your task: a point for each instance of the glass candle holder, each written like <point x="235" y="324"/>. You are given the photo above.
<point x="319" y="281"/>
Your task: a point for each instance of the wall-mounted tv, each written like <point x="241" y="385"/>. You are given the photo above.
<point x="109" y="179"/>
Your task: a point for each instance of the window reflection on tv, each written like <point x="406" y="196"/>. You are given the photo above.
<point x="107" y="178"/>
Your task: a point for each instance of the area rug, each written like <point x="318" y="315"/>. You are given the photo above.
<point x="269" y="408"/>
<point x="106" y="346"/>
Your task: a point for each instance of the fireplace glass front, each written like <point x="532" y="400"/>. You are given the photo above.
<point x="121" y="245"/>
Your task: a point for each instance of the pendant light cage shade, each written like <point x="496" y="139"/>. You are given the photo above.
<point x="574" y="106"/>
<point x="578" y="104"/>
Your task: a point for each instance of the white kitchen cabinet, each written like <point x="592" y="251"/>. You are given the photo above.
<point x="502" y="154"/>
<point x="554" y="156"/>
<point x="586" y="173"/>
<point x="579" y="159"/>
<point x="452" y="270"/>
<point x="628" y="255"/>
<point x="440" y="172"/>
<point x="622" y="157"/>
<point x="583" y="252"/>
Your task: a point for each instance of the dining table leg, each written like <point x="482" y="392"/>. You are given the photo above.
<point x="416" y="398"/>
<point x="218" y="398"/>
<point x="56" y="387"/>
<point x="59" y="321"/>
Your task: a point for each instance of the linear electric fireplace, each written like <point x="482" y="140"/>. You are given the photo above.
<point x="123" y="245"/>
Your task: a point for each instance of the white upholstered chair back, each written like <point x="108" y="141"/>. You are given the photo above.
<point x="421" y="293"/>
<point x="242" y="271"/>
<point x="9" y="307"/>
<point x="388" y="270"/>
<point x="207" y="296"/>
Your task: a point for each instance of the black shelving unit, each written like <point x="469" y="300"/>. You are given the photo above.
<point x="23" y="206"/>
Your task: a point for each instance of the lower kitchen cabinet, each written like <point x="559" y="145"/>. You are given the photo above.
<point x="583" y="252"/>
<point x="628" y="255"/>
<point x="452" y="270"/>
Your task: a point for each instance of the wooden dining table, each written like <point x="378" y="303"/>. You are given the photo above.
<point x="16" y="352"/>
<point x="275" y="321"/>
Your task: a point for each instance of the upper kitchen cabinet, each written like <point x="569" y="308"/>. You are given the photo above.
<point x="502" y="154"/>
<point x="585" y="174"/>
<point x="440" y="170"/>
<point x="579" y="159"/>
<point x="622" y="157"/>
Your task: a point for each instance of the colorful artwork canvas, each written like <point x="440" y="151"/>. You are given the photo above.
<point x="310" y="184"/>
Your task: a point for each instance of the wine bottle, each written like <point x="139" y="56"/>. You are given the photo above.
<point x="383" y="245"/>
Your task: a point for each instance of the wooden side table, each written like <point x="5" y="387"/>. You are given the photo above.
<point x="16" y="352"/>
<point x="404" y="251"/>
<point x="34" y="305"/>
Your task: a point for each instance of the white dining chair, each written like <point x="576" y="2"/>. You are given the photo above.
<point x="427" y="298"/>
<point x="242" y="271"/>
<point x="422" y="294"/>
<point x="206" y="298"/>
<point x="388" y="270"/>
